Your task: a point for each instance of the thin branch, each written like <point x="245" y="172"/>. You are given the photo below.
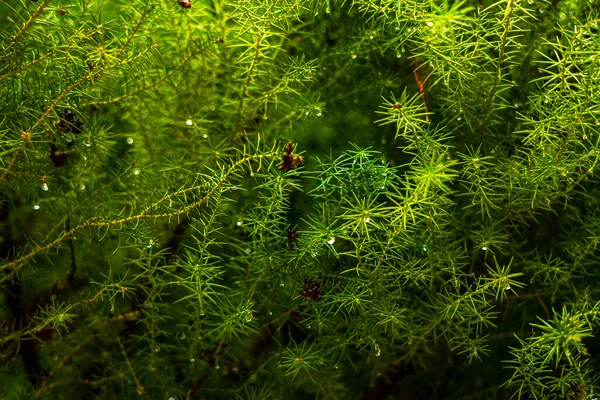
<point x="29" y="22"/>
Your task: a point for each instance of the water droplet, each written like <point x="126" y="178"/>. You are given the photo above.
<point x="218" y="367"/>
<point x="331" y="241"/>
<point x="328" y="10"/>
<point x="150" y="243"/>
<point x="205" y="136"/>
<point x="265" y="117"/>
<point x="248" y="250"/>
<point x="484" y="248"/>
<point x="530" y="2"/>
<point x="398" y="55"/>
<point x="309" y="327"/>
<point x="270" y="313"/>
<point x="88" y="145"/>
<point x="429" y="23"/>
<point x="129" y="140"/>
<point x="202" y="314"/>
<point x="189" y="122"/>
<point x="171" y="398"/>
<point x="507" y="288"/>
<point x="381" y="187"/>
<point x="383" y="141"/>
<point x="336" y="366"/>
<point x="45" y="187"/>
<point x="282" y="284"/>
<point x="136" y="171"/>
<point x="354" y="56"/>
<point x="239" y="223"/>
<point x="517" y="105"/>
<point x="367" y="220"/>
<point x="82" y="187"/>
<point x="584" y="137"/>
<point x="36" y="207"/>
<point x="377" y="350"/>
<point x="371" y="37"/>
<point x="156" y="350"/>
<point x="319" y="114"/>
<point x="424" y="248"/>
<point x="459" y="118"/>
<point x="192" y="360"/>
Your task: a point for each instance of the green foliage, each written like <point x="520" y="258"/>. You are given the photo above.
<point x="299" y="199"/>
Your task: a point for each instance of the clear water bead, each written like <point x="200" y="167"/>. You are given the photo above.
<point x="331" y="241"/>
<point x="36" y="207"/>
<point x="377" y="350"/>
<point x="205" y="136"/>
<point x="484" y="248"/>
<point x="136" y="171"/>
<point x="82" y="187"/>
<point x="45" y="187"/>
<point x="189" y="122"/>
<point x="429" y="23"/>
<point x="354" y="56"/>
<point x="367" y="220"/>
<point x="239" y="223"/>
<point x="129" y="140"/>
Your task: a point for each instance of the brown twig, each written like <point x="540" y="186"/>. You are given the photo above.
<point x="539" y="298"/>
<point x="29" y="22"/>
<point x="421" y="83"/>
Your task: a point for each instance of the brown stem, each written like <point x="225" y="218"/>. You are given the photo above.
<point x="33" y="17"/>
